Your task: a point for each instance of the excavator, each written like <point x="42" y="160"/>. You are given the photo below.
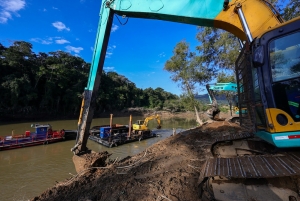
<point x="230" y="90"/>
<point x="141" y="126"/>
<point x="252" y="165"/>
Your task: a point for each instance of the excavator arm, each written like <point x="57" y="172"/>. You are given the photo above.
<point x="229" y="88"/>
<point x="157" y="117"/>
<point x="224" y="14"/>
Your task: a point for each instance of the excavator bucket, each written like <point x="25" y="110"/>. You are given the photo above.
<point x="216" y="117"/>
<point x="158" y="127"/>
<point x="90" y="161"/>
<point x="214" y="114"/>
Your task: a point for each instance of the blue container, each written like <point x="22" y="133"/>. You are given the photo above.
<point x="104" y="132"/>
<point x="41" y="130"/>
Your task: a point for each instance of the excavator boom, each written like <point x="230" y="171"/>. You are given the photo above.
<point x="211" y="13"/>
<point x="157" y="117"/>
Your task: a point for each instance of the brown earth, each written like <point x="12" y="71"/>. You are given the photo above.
<point x="167" y="170"/>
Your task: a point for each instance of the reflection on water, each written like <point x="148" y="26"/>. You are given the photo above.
<point x="27" y="172"/>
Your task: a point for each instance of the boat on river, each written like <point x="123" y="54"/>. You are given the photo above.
<point x="43" y="135"/>
<point x="115" y="135"/>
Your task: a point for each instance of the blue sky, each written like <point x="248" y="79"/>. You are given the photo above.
<point x="138" y="50"/>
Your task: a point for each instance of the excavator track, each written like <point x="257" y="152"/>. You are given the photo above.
<point x="227" y="177"/>
<point x="235" y="136"/>
<point x="253" y="166"/>
<point x="230" y="137"/>
<point x="243" y="177"/>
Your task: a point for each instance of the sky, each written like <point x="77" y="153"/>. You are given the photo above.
<point x="138" y="50"/>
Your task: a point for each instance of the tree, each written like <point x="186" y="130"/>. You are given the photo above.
<point x="291" y="10"/>
<point x="225" y="78"/>
<point x="16" y="83"/>
<point x="186" y="68"/>
<point x="218" y="48"/>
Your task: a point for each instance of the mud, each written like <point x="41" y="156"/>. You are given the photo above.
<point x="167" y="170"/>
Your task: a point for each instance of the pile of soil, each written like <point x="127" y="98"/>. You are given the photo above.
<point x="167" y="170"/>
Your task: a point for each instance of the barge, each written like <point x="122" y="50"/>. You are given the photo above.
<point x="117" y="134"/>
<point x="43" y="135"/>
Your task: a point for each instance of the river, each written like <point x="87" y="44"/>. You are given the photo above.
<point x="27" y="172"/>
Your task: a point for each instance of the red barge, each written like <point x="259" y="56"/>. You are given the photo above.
<point x="43" y="135"/>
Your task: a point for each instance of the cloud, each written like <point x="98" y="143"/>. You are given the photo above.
<point x="112" y="47"/>
<point x="60" y="26"/>
<point x="74" y="49"/>
<point x="110" y="50"/>
<point x="44" y="9"/>
<point x="47" y="41"/>
<point x="162" y="54"/>
<point x="54" y="8"/>
<point x="61" y="41"/>
<point x="109" y="68"/>
<point x="82" y="1"/>
<point x="92" y="48"/>
<point x="114" y="28"/>
<point x="108" y="54"/>
<point x="150" y="74"/>
<point x="9" y="7"/>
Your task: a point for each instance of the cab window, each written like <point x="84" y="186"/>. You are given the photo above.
<point x="285" y="57"/>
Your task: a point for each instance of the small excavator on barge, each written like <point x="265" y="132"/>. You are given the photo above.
<point x="244" y="165"/>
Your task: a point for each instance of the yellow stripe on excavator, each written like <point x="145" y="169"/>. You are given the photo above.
<point x="275" y="127"/>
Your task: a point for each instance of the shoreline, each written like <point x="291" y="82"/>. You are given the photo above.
<point x="164" y="115"/>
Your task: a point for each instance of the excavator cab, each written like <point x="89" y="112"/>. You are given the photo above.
<point x="140" y="122"/>
<point x="273" y="97"/>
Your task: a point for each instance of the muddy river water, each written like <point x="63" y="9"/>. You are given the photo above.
<point x="27" y="172"/>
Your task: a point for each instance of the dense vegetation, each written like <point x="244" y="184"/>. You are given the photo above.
<point x="52" y="84"/>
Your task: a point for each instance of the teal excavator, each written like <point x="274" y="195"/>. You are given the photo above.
<point x="243" y="166"/>
<point x="229" y="90"/>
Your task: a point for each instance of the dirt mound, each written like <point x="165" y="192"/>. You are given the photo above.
<point x="91" y="160"/>
<point x="167" y="170"/>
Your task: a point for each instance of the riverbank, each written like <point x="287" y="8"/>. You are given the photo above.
<point x="7" y="119"/>
<point x="167" y="170"/>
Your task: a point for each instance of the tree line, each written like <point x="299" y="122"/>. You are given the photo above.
<point x="51" y="85"/>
